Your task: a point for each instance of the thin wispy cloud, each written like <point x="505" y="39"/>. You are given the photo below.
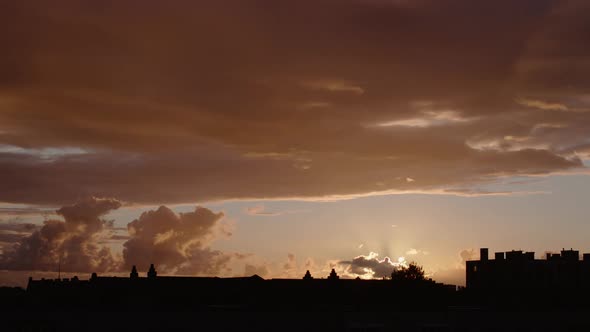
<point x="261" y="211"/>
<point x="543" y="105"/>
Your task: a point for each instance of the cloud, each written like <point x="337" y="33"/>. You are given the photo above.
<point x="543" y="105"/>
<point x="290" y="266"/>
<point x="370" y="266"/>
<point x="259" y="210"/>
<point x="117" y="237"/>
<point x="261" y="270"/>
<point x="99" y="118"/>
<point x="467" y="255"/>
<point x="309" y="263"/>
<point x="335" y="86"/>
<point x="17" y="227"/>
<point x="215" y="175"/>
<point x="455" y="274"/>
<point x="176" y="243"/>
<point x="23" y="211"/>
<point x="477" y="192"/>
<point x="428" y="119"/>
<point x="13" y="232"/>
<point x="414" y="252"/>
<point x="204" y="262"/>
<point x="71" y="243"/>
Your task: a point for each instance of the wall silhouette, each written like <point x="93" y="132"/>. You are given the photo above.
<point x="520" y="270"/>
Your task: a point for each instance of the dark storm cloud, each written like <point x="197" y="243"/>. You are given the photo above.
<point x="265" y="99"/>
<point x="22" y="211"/>
<point x="12" y="232"/>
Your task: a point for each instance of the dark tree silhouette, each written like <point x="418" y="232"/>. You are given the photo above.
<point x="413" y="272"/>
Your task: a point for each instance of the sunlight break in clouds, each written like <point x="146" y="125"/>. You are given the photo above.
<point x="370" y="266"/>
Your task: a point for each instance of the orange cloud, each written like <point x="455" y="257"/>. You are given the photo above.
<point x="72" y="243"/>
<point x="176" y="243"/>
<point x="284" y="101"/>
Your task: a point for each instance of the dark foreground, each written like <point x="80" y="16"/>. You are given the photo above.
<point x="254" y="304"/>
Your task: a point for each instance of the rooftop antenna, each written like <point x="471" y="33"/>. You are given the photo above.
<point x="59" y="267"/>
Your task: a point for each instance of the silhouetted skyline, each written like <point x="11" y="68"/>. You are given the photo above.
<point x="492" y="300"/>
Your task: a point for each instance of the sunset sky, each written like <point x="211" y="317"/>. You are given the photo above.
<point x="272" y="137"/>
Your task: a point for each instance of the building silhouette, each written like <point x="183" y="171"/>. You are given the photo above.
<point x="146" y="301"/>
<point x="232" y="290"/>
<point x="520" y="270"/>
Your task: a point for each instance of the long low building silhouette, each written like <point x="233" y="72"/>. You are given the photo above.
<point x="511" y="292"/>
<point x="240" y="292"/>
<point x="521" y="270"/>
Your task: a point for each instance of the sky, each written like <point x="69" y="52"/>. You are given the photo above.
<point x="264" y="137"/>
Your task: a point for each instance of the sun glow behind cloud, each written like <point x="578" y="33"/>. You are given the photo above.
<point x="371" y="267"/>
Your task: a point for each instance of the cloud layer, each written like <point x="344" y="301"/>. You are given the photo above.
<point x="225" y="100"/>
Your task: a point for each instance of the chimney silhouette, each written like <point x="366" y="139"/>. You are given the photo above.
<point x="152" y="272"/>
<point x="133" y="274"/>
<point x="483" y="254"/>
<point x="333" y="275"/>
